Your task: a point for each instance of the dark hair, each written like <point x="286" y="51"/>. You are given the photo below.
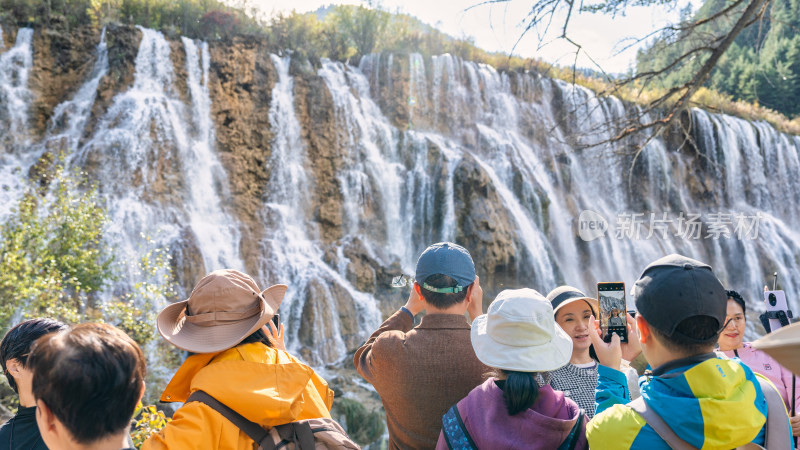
<point x="91" y="377"/>
<point x="735" y="296"/>
<point x="257" y="336"/>
<point x="18" y="341"/>
<point x="439" y="300"/>
<point x="520" y="391"/>
<point x="693" y="336"/>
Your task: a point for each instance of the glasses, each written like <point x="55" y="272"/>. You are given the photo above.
<point x="402" y="281"/>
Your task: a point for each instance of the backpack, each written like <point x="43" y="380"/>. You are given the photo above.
<point x="311" y="434"/>
<point x="778" y="435"/>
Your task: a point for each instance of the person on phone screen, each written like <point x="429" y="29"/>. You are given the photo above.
<point x="731" y="342"/>
<point x="572" y="311"/>
<point x="511" y="409"/>
<point x="615" y="320"/>
<point x="705" y="401"/>
<point x="420" y="372"/>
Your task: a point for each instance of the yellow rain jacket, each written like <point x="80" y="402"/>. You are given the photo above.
<point x="265" y="385"/>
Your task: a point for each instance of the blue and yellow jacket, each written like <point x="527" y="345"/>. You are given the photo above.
<point x="710" y="403"/>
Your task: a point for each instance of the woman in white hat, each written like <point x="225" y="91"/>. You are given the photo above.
<point x="221" y="325"/>
<point x="516" y="408"/>
<point x="573" y="310"/>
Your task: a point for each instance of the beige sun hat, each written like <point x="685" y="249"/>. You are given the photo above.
<point x="784" y="346"/>
<point x="518" y="333"/>
<point x="225" y="307"/>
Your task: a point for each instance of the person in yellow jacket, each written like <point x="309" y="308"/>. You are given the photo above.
<point x="233" y="361"/>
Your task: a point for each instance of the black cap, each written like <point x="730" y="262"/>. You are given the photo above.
<point x="675" y="288"/>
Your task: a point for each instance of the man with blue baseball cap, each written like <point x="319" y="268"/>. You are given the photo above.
<point x="420" y="372"/>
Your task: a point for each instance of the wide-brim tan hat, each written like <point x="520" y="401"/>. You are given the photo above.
<point x="784" y="346"/>
<point x="519" y="333"/>
<point x="225" y="307"/>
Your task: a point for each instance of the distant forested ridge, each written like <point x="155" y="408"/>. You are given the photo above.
<point x="762" y="66"/>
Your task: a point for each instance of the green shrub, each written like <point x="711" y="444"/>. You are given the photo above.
<point x="364" y="427"/>
<point x="52" y="256"/>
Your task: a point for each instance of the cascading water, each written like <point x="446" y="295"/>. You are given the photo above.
<point x="155" y="166"/>
<point x="15" y="100"/>
<point x="292" y="254"/>
<point x="511" y="142"/>
<point x="217" y="233"/>
<point x="68" y="122"/>
<point x="545" y="183"/>
<point x="15" y="96"/>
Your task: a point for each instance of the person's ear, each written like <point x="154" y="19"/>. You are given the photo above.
<point x="141" y="392"/>
<point x="418" y="290"/>
<point x="644" y="329"/>
<point x="45" y="417"/>
<point x="14" y="366"/>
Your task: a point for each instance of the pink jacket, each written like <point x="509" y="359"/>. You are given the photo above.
<point x="762" y="363"/>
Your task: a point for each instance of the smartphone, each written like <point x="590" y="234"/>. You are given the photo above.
<point x="611" y="297"/>
<point x="276" y="320"/>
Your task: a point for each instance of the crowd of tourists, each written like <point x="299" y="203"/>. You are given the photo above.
<point x="533" y="372"/>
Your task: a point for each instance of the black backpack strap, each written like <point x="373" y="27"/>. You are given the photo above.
<point x="298" y="432"/>
<point x="574" y="434"/>
<point x="259" y="435"/>
<point x="455" y="432"/>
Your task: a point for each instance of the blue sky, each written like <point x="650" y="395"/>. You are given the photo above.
<point x="497" y="27"/>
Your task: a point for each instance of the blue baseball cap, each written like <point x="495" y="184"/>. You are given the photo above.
<point x="446" y="258"/>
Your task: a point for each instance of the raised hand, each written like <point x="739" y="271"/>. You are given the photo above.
<point x="633" y="347"/>
<point x="609" y="354"/>
<point x="274" y="335"/>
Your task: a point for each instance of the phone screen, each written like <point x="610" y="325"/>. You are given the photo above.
<point x="276" y="319"/>
<point x="611" y="297"/>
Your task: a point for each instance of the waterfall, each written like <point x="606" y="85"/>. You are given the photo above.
<point x="217" y="233"/>
<point x="156" y="168"/>
<point x="15" y="68"/>
<point x="527" y="148"/>
<point x="15" y="100"/>
<point x="465" y="153"/>
<point x="69" y="118"/>
<point x="292" y="253"/>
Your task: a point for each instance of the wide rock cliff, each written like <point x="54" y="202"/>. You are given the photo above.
<point x="332" y="177"/>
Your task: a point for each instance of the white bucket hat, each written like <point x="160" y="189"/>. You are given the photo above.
<point x="519" y="333"/>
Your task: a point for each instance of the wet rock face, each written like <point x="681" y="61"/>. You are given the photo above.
<point x="484" y="228"/>
<point x="315" y="111"/>
<point x="241" y="79"/>
<point x="123" y="45"/>
<point x="61" y="62"/>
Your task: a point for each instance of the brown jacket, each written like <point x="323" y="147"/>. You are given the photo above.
<point x="419" y="373"/>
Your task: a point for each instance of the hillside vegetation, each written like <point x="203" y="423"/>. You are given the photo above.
<point x="757" y="79"/>
<point x="761" y="67"/>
